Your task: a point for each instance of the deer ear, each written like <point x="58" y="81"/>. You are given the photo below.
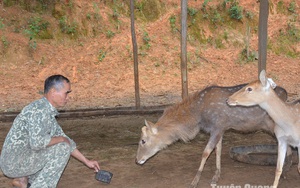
<point x="151" y="127"/>
<point x="144" y="130"/>
<point x="148" y="123"/>
<point x="263" y="78"/>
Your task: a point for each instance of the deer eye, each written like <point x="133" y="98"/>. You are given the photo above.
<point x="249" y="89"/>
<point x="143" y="141"/>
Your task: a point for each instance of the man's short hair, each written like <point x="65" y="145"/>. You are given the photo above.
<point x="55" y="81"/>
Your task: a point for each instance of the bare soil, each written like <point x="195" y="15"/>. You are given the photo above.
<point x="110" y="83"/>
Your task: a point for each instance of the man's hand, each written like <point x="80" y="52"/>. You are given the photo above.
<point x="93" y="164"/>
<point x="89" y="163"/>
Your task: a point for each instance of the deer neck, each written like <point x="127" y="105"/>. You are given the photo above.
<point x="282" y="114"/>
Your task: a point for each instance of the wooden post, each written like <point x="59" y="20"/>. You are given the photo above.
<point x="135" y="57"/>
<point x="184" y="77"/>
<point x="263" y="34"/>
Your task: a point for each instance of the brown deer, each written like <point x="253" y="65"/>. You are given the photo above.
<point x="205" y="110"/>
<point x="285" y="115"/>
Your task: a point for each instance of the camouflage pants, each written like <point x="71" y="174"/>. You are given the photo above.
<point x="43" y="168"/>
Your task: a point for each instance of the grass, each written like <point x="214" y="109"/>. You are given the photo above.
<point x="38" y="28"/>
<point x="5" y="44"/>
<point x="39" y="6"/>
<point x="172" y="20"/>
<point x="287" y="40"/>
<point x="4" y="41"/>
<point x="101" y="55"/>
<point x="227" y="15"/>
<point x="1" y="24"/>
<point x="149" y="10"/>
<point x="146" y="40"/>
<point x="68" y="28"/>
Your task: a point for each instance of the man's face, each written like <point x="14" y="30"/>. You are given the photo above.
<point x="60" y="97"/>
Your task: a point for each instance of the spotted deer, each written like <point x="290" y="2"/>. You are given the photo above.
<point x="286" y="115"/>
<point x="205" y="110"/>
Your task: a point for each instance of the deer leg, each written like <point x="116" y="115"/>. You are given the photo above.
<point x="288" y="162"/>
<point x="213" y="140"/>
<point x="298" y="159"/>
<point x="282" y="148"/>
<point x="218" y="162"/>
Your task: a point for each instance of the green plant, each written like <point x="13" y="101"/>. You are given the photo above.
<point x="88" y="16"/>
<point x="204" y="5"/>
<point x="219" y="43"/>
<point x="67" y="28"/>
<point x="216" y="18"/>
<point x="139" y="5"/>
<point x="101" y="55"/>
<point x="72" y="28"/>
<point x="110" y="34"/>
<point x="286" y="41"/>
<point x="146" y="40"/>
<point x="293" y="32"/>
<point x="115" y="18"/>
<point x="143" y="54"/>
<point x="244" y="57"/>
<point x="148" y="10"/>
<point x="32" y="6"/>
<point x="225" y="35"/>
<point x="115" y="14"/>
<point x="95" y="7"/>
<point x="97" y="15"/>
<point x="70" y="4"/>
<point x="236" y="11"/>
<point x="192" y="11"/>
<point x="292" y="7"/>
<point x="32" y="45"/>
<point x="249" y="15"/>
<point x="1" y="24"/>
<point x="36" y="26"/>
<point x="281" y="8"/>
<point x="172" y="21"/>
<point x="4" y="42"/>
<point x="157" y="64"/>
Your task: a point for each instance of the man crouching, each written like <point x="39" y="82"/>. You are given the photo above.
<point x="36" y="150"/>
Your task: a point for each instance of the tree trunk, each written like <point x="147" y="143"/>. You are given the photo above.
<point x="135" y="57"/>
<point x="184" y="77"/>
<point x="263" y="34"/>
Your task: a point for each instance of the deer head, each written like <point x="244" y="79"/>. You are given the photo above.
<point x="149" y="144"/>
<point x="254" y="93"/>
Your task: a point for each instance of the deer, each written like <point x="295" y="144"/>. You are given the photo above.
<point x="285" y="115"/>
<point x="205" y="110"/>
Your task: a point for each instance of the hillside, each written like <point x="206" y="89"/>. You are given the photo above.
<point x="90" y="43"/>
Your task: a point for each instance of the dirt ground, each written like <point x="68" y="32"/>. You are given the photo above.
<point x="113" y="142"/>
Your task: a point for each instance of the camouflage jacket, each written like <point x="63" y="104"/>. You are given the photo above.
<point x="32" y="130"/>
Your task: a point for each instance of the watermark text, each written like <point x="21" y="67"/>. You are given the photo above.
<point x="241" y="186"/>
